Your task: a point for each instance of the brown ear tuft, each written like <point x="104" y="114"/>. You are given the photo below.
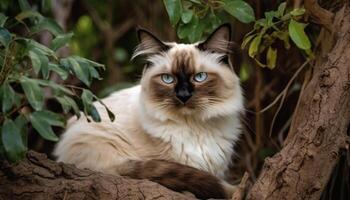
<point x="149" y="44"/>
<point x="219" y="41"/>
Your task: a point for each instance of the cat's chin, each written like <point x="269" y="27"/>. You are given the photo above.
<point x="184" y="110"/>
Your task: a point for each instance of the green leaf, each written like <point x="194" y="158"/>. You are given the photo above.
<point x="21" y="122"/>
<point x="94" y="73"/>
<point x="32" y="44"/>
<point x="12" y="141"/>
<point x="241" y="10"/>
<point x="60" y="71"/>
<point x="284" y="36"/>
<point x="3" y="19"/>
<point x="89" y="108"/>
<point x="186" y="16"/>
<point x="50" y="117"/>
<point x="297" y="12"/>
<point x="39" y="62"/>
<point x="33" y="92"/>
<point x="73" y="105"/>
<point x="246" y="40"/>
<point x="196" y="28"/>
<point x="110" y="113"/>
<point x="36" y="63"/>
<point x="5" y="37"/>
<point x="43" y="127"/>
<point x="67" y="103"/>
<point x="271" y="57"/>
<point x="254" y="46"/>
<point x="60" y="41"/>
<point x="281" y="9"/>
<point x="94" y="114"/>
<point x="8" y="97"/>
<point x="58" y="89"/>
<point x="244" y="72"/>
<point x="80" y="71"/>
<point x="28" y="14"/>
<point x="298" y="35"/>
<point x="174" y="10"/>
<point x="24" y="5"/>
<point x="184" y="30"/>
<point x="90" y="62"/>
<point x="48" y="24"/>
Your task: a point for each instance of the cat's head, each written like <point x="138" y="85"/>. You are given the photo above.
<point x="189" y="79"/>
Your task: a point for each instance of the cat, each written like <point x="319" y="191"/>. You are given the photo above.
<point x="177" y="127"/>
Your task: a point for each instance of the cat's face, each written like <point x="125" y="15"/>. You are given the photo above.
<point x="189" y="79"/>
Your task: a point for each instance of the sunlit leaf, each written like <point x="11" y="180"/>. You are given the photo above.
<point x="246" y="40"/>
<point x="271" y="57"/>
<point x="244" y="72"/>
<point x="298" y="35"/>
<point x="254" y="46"/>
<point x="12" y="141"/>
<point x="28" y="14"/>
<point x="241" y="10"/>
<point x="297" y="11"/>
<point x="174" y="10"/>
<point x="281" y="9"/>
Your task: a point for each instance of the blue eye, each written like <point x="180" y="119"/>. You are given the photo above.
<point x="167" y="78"/>
<point x="200" y="77"/>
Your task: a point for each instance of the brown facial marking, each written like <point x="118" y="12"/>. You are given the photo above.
<point x="183" y="67"/>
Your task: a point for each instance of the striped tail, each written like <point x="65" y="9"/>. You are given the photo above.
<point x="176" y="177"/>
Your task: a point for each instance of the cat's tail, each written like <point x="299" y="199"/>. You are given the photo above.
<point x="178" y="177"/>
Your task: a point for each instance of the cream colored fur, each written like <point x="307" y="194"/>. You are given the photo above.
<point x="144" y="129"/>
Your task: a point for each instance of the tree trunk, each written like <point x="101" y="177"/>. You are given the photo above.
<point x="37" y="177"/>
<point x="318" y="133"/>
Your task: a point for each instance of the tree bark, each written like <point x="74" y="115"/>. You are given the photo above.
<point x="318" y="133"/>
<point x="37" y="177"/>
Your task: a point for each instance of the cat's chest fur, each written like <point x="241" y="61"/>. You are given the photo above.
<point x="203" y="145"/>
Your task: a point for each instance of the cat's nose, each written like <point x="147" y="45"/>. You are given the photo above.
<point x="183" y="95"/>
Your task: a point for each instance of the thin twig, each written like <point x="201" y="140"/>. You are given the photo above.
<point x="286" y="88"/>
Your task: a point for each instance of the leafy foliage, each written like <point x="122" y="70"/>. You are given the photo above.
<point x="26" y="67"/>
<point x="276" y="25"/>
<point x="194" y="18"/>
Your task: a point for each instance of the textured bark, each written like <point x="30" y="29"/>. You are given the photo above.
<point x="318" y="132"/>
<point x="37" y="177"/>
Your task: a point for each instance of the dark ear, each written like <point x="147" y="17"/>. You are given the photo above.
<point x="218" y="41"/>
<point x="149" y="44"/>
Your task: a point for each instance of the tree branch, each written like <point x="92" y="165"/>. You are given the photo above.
<point x="319" y="15"/>
<point x="37" y="177"/>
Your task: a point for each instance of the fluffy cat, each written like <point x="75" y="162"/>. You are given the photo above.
<point x="177" y="128"/>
